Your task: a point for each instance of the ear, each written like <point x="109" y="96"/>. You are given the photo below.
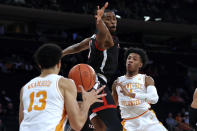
<point x="39" y="66"/>
<point x="140" y="65"/>
<point x="59" y="64"/>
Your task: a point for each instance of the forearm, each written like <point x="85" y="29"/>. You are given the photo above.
<point x="84" y="108"/>
<point x="71" y="50"/>
<point x="102" y="28"/>
<point x="76" y="48"/>
<point x="151" y="96"/>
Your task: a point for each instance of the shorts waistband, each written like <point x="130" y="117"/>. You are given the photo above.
<point x="136" y="116"/>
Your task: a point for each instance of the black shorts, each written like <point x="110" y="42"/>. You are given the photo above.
<point x="108" y="100"/>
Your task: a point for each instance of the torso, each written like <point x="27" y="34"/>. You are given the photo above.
<point x="43" y="105"/>
<point x="104" y="61"/>
<point x="131" y="107"/>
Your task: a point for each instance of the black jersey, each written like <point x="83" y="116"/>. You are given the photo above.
<point x="104" y="61"/>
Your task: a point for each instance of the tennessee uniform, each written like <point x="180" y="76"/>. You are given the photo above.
<point x="135" y="112"/>
<point x="43" y="105"/>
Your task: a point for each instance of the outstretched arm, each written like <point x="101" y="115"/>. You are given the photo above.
<point x="76" y="48"/>
<point x="103" y="37"/>
<point x="77" y="115"/>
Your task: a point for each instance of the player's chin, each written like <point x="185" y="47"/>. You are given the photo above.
<point x="113" y="29"/>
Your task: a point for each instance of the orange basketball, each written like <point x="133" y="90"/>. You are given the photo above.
<point x="84" y="75"/>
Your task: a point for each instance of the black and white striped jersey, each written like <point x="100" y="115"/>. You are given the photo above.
<point x="104" y="61"/>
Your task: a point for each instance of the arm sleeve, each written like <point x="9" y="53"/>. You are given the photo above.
<point x="151" y="96"/>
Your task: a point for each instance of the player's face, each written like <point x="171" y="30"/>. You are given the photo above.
<point x="110" y="21"/>
<point x="133" y="62"/>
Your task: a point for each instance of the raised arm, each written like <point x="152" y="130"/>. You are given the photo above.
<point x="103" y="37"/>
<point x="76" y="48"/>
<point x="21" y="107"/>
<point x="77" y="115"/>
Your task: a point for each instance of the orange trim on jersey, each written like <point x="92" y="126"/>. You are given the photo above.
<point x="59" y="127"/>
<point x="96" y="44"/>
<point x="103" y="107"/>
<point x="123" y="124"/>
<point x="136" y="116"/>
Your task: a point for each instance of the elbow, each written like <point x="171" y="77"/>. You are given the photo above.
<point x="77" y="126"/>
<point x="154" y="100"/>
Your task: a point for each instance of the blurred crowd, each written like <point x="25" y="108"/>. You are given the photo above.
<point x="175" y="11"/>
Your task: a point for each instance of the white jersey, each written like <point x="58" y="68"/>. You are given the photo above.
<point x="131" y="107"/>
<point x="43" y="105"/>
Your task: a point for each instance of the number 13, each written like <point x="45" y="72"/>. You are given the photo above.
<point x="41" y="100"/>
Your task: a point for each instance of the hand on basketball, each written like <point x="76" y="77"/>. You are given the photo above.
<point x="92" y="96"/>
<point x="100" y="12"/>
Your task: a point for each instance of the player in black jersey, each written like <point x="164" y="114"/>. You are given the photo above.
<point x="103" y="57"/>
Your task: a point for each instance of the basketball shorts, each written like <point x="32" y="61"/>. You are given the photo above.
<point x="146" y="122"/>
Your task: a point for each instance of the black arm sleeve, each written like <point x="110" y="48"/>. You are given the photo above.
<point x="193" y="118"/>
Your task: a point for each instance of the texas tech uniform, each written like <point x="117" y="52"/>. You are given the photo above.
<point x="105" y="63"/>
<point x="135" y="113"/>
<point x="43" y="105"/>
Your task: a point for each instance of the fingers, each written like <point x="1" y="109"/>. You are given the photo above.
<point x="101" y="95"/>
<point x="105" y="6"/>
<point x="82" y="89"/>
<point x="98" y="7"/>
<point x="98" y="100"/>
<point x="100" y="89"/>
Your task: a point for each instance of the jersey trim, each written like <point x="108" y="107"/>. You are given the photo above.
<point x="103" y="107"/>
<point x="96" y="44"/>
<point x="58" y="90"/>
<point x="60" y="126"/>
<point x="104" y="60"/>
<point x="136" y="116"/>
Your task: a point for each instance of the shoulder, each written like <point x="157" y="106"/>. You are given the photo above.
<point x="66" y="84"/>
<point x="119" y="79"/>
<point x="149" y="80"/>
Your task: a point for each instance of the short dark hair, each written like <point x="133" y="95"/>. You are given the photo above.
<point x="108" y="10"/>
<point x="48" y="55"/>
<point x="143" y="55"/>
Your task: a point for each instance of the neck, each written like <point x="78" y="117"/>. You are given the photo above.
<point x="46" y="72"/>
<point x="131" y="74"/>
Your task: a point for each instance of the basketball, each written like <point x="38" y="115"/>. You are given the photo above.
<point x="84" y="75"/>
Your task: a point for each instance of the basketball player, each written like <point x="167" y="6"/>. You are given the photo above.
<point x="193" y="112"/>
<point x="49" y="99"/>
<point x="134" y="93"/>
<point x="103" y="57"/>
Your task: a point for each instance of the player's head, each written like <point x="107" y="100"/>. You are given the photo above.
<point x="136" y="59"/>
<point x="110" y="20"/>
<point x="48" y="56"/>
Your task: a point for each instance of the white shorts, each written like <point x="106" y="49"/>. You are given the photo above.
<point x="146" y="122"/>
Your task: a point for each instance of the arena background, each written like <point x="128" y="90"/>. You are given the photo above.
<point x="165" y="29"/>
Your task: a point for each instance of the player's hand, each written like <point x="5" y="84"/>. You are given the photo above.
<point x="125" y="91"/>
<point x="92" y="96"/>
<point x="115" y="84"/>
<point x="100" y="12"/>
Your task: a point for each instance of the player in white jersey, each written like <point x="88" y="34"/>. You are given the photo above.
<point x="49" y="99"/>
<point x="134" y="93"/>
